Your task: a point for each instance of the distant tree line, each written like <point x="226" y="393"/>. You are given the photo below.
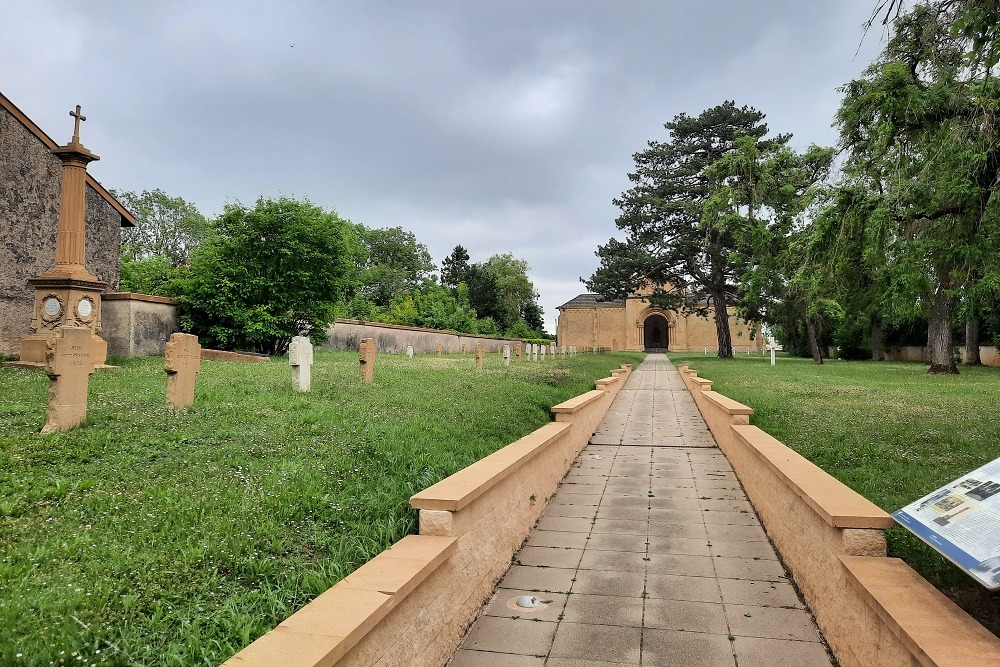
<point x="892" y="238"/>
<point x="254" y="277"/>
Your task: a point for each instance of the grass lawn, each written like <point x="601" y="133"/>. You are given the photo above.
<point x="888" y="430"/>
<point x="154" y="537"/>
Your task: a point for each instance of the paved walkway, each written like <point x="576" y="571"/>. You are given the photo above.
<point x="649" y="554"/>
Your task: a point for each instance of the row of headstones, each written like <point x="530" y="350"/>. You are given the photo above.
<point x="368" y="347"/>
<point x="69" y="364"/>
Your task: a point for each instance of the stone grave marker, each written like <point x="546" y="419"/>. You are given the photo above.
<point x="480" y="353"/>
<point x="440" y="348"/>
<point x="463" y="348"/>
<point x="366" y="357"/>
<point x="541" y="351"/>
<point x="517" y="352"/>
<point x="182" y="362"/>
<point x="534" y="351"/>
<point x="563" y="350"/>
<point x="69" y="364"/>
<point x="409" y="351"/>
<point x="300" y="358"/>
<point x="506" y="355"/>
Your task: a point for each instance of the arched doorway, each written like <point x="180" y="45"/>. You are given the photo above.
<point x="655" y="333"/>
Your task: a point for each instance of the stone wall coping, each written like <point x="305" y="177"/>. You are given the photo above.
<point x="604" y="383"/>
<point x="932" y="627"/>
<point x="135" y="296"/>
<point x="324" y="630"/>
<point x="578" y="402"/>
<point x="726" y="404"/>
<point x="830" y="498"/>
<point x="455" y="492"/>
<point x="706" y="385"/>
<point x="405" y="327"/>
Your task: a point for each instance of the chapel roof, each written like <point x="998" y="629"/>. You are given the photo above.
<point x="591" y="301"/>
<point x="127" y="219"/>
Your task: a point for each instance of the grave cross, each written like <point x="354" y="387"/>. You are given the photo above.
<point x="181" y="361"/>
<point x="76" y="125"/>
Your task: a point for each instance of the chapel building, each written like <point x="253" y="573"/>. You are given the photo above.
<point x="30" y="187"/>
<point x="635" y="324"/>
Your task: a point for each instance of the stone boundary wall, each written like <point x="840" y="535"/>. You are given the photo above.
<point x="987" y="353"/>
<point x="240" y="357"/>
<point x="137" y="325"/>
<point x="393" y="338"/>
<point x="873" y="610"/>
<point x="412" y="604"/>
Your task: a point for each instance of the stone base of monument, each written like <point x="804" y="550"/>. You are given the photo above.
<point x="33" y="352"/>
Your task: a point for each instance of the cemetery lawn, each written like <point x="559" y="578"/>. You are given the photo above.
<point x="888" y="430"/>
<point x="154" y="537"/>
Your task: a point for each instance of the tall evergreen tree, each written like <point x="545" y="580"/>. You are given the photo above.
<point x="455" y="266"/>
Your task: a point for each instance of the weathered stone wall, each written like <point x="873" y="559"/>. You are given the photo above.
<point x="30" y="184"/>
<point x="138" y="325"/>
<point x="393" y="338"/>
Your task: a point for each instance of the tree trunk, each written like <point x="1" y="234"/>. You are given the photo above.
<point x="813" y="341"/>
<point x="939" y="342"/>
<point x="722" y="332"/>
<point x="972" y="357"/>
<point x="878" y="339"/>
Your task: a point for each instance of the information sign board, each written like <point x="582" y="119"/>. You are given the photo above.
<point x="961" y="520"/>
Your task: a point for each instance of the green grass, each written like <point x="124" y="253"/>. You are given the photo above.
<point x="888" y="430"/>
<point x="155" y="537"/>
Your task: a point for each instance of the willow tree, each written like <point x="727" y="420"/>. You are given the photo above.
<point x="924" y="118"/>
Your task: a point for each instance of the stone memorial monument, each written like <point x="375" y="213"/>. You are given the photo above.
<point x="182" y="362"/>
<point x="68" y="363"/>
<point x="366" y="357"/>
<point x="506" y="355"/>
<point x="480" y="353"/>
<point x="300" y="358"/>
<point x="68" y="295"/>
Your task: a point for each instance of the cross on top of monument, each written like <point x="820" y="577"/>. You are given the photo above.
<point x="76" y="125"/>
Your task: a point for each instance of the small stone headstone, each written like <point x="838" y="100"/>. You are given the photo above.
<point x="68" y="363"/>
<point x="564" y="350"/>
<point x="182" y="362"/>
<point x="517" y="352"/>
<point x="506" y="355"/>
<point x="463" y="348"/>
<point x="480" y="353"/>
<point x="534" y="351"/>
<point x="409" y="351"/>
<point x="541" y="351"/>
<point x="440" y="349"/>
<point x="366" y="357"/>
<point x="300" y="358"/>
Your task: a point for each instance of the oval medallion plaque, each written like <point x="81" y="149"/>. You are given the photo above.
<point x="85" y="307"/>
<point x="51" y="306"/>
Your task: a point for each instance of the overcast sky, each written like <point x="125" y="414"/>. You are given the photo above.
<point x="502" y="126"/>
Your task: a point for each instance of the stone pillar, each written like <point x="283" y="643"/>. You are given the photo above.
<point x="68" y="363"/>
<point x="182" y="362"/>
<point x="68" y="295"/>
<point x="300" y="358"/>
<point x="366" y="357"/>
<point x="480" y="353"/>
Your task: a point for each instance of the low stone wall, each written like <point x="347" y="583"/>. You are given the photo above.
<point x="872" y="610"/>
<point x="412" y="604"/>
<point x="987" y="353"/>
<point x="393" y="338"/>
<point x="239" y="357"/>
<point x="137" y="325"/>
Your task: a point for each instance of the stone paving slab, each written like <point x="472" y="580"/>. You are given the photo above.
<point x="649" y="554"/>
